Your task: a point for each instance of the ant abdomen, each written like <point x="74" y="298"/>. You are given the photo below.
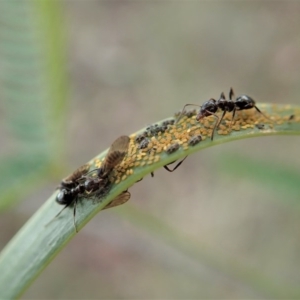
<point x="244" y="102"/>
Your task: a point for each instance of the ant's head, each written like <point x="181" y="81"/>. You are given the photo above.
<point x="64" y="197"/>
<point x="244" y="102"/>
<point x="208" y="108"/>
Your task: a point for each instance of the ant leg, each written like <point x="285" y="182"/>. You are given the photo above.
<point x="231" y="94"/>
<point x="222" y="96"/>
<point x="183" y="111"/>
<point x="262" y="113"/>
<point x="166" y="166"/>
<point x="74" y="215"/>
<point x="233" y="114"/>
<point x="213" y="132"/>
<point x="224" y="112"/>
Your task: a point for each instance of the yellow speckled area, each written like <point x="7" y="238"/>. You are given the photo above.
<point x="146" y="148"/>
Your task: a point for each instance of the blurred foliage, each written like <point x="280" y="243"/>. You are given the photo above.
<point x="33" y="92"/>
<point x="274" y="176"/>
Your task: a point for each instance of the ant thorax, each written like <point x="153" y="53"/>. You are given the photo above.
<point x="225" y="105"/>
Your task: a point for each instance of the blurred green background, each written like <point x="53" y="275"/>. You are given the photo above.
<point x="77" y="74"/>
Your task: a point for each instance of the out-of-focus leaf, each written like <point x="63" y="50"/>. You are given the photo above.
<point x="33" y="90"/>
<point x="276" y="177"/>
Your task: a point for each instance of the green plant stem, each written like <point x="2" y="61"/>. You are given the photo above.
<point x="35" y="245"/>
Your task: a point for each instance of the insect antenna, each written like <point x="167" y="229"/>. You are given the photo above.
<point x="257" y="109"/>
<point x="183" y="111"/>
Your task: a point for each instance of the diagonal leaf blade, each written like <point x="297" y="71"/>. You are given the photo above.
<point x="35" y="245"/>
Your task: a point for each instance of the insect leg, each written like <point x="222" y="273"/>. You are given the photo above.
<point x="172" y="170"/>
<point x="74" y="214"/>
<point x="224" y="112"/>
<point x="213" y="131"/>
<point x="233" y="114"/>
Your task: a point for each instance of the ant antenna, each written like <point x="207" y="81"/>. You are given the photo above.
<point x="183" y="111"/>
<point x="74" y="214"/>
<point x="231" y="94"/>
<point x="263" y="113"/>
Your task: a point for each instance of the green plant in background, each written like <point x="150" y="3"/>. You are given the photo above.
<point x="33" y="90"/>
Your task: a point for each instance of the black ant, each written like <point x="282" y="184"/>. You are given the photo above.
<point x="210" y="107"/>
<point x="78" y="184"/>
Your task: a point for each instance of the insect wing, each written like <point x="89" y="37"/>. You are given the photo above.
<point x="77" y="174"/>
<point x="119" y="200"/>
<point x="116" y="153"/>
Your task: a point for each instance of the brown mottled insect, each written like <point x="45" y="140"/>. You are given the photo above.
<point x="172" y="148"/>
<point x="260" y="126"/>
<point x="114" y="157"/>
<point x="195" y="140"/>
